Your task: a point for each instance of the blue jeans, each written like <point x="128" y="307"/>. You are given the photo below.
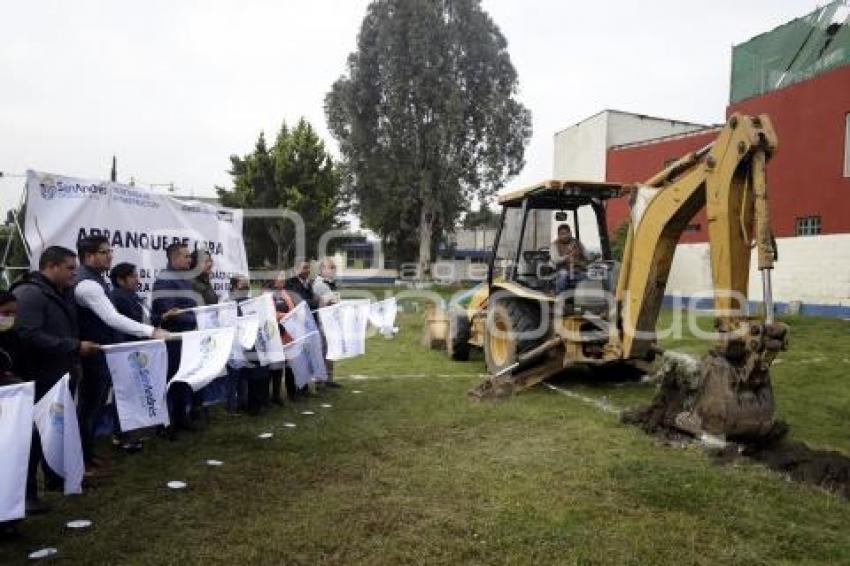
<point x="567" y="279"/>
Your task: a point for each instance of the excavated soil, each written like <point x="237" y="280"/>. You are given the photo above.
<point x="823" y="468"/>
<point x="826" y="469"/>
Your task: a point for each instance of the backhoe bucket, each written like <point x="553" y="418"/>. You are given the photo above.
<point x="731" y="398"/>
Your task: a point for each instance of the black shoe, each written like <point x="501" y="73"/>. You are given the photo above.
<point x="35" y="506"/>
<point x="333" y="385"/>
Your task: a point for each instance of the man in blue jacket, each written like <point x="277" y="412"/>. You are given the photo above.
<point x="173" y="297"/>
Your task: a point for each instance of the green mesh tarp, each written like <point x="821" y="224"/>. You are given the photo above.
<point x="791" y="53"/>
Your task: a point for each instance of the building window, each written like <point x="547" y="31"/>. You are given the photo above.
<point x="847" y="145"/>
<point x="808" y="226"/>
<point x="359" y="259"/>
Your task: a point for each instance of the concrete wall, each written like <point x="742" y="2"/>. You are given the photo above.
<point x="813" y="269"/>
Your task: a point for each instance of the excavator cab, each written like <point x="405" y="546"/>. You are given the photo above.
<point x="530" y="218"/>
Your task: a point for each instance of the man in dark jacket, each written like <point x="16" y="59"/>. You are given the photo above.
<point x="125" y="296"/>
<point x="300" y="284"/>
<point x="50" y="347"/>
<point x="173" y="297"/>
<point x="201" y="264"/>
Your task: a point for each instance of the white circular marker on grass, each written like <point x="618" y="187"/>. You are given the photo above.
<point x="265" y="435"/>
<point x="177" y="484"/>
<point x="43" y="553"/>
<point x="356" y="391"/>
<point x="289" y="425"/>
<point x="307" y="413"/>
<point x="78" y="524"/>
<point x="214" y="462"/>
<point x="326" y="405"/>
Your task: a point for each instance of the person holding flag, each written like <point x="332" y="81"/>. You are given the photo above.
<point x="173" y="300"/>
<point x="284" y="302"/>
<point x="46" y="325"/>
<point x="99" y="322"/>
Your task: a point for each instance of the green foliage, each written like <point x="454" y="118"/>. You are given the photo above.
<point x="484" y="217"/>
<point x="426" y="118"/>
<point x="17" y="257"/>
<point x="296" y="173"/>
<point x="618" y="240"/>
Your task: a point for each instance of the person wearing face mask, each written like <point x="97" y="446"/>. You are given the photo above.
<point x="50" y="347"/>
<point x="8" y="353"/>
<point x="9" y="342"/>
<point x="325" y="291"/>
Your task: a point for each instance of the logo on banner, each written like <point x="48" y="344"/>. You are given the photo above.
<point x="57" y="417"/>
<point x="208" y="345"/>
<point x="225" y="215"/>
<point x="51" y="188"/>
<point x="264" y="335"/>
<point x="139" y="362"/>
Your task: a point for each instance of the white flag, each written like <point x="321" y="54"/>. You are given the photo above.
<point x="310" y="364"/>
<point x="268" y="344"/>
<point x="344" y="326"/>
<point x="139" y="371"/>
<point x="55" y="418"/>
<point x="246" y="330"/>
<point x="382" y="316"/>
<point x="221" y="315"/>
<point x="203" y="355"/>
<point x="15" y="439"/>
<point x="304" y="357"/>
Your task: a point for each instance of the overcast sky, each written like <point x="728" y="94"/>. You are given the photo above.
<point x="173" y="88"/>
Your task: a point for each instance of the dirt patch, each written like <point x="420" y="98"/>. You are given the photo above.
<point x="826" y="469"/>
<point x="823" y="468"/>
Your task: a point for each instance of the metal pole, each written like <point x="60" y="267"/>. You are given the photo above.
<point x="767" y="295"/>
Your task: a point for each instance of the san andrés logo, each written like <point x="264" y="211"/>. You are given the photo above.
<point x="52" y="187"/>
<point x="57" y="417"/>
<point x="139" y="363"/>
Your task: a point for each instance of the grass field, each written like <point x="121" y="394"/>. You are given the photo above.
<point x="409" y="471"/>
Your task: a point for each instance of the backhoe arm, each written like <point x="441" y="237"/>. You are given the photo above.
<point x="727" y="178"/>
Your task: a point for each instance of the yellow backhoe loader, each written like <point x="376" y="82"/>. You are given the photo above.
<point x="530" y="329"/>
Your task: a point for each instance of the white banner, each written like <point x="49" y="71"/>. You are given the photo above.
<point x="268" y="344"/>
<point x="221" y="315"/>
<point x="139" y="223"/>
<point x="139" y="371"/>
<point x="344" y="327"/>
<point x="16" y="409"/>
<point x="203" y="355"/>
<point x="382" y="316"/>
<point x="299" y="323"/>
<point x="55" y="417"/>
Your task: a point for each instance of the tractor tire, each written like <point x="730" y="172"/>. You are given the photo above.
<point x="505" y="320"/>
<point x="457" y="342"/>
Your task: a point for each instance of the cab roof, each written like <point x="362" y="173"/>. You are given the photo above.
<point x="557" y="194"/>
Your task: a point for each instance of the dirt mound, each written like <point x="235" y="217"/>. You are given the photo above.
<point x="823" y="468"/>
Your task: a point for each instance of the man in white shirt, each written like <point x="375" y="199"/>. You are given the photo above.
<point x="98" y="322"/>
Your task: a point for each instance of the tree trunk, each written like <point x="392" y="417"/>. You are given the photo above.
<point x="426" y="227"/>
